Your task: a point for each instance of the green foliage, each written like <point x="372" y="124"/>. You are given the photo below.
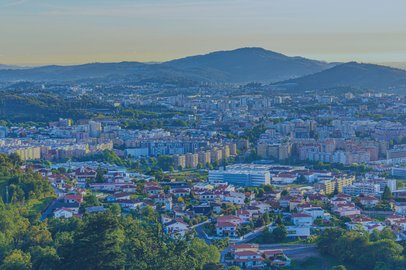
<point x="47" y="107"/>
<point x="387" y="194"/>
<point x="339" y="267"/>
<point x="98" y="241"/>
<point x="106" y="156"/>
<point x="17" y="260"/>
<point x="97" y="244"/>
<point x="355" y="247"/>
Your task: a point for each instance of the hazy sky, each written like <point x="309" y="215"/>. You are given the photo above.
<point x="77" y="31"/>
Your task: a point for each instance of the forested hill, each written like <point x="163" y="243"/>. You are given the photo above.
<point x="104" y="241"/>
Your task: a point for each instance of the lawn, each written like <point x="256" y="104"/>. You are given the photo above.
<point x="37" y="206"/>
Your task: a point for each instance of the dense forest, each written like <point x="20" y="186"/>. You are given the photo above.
<point x="96" y="241"/>
<point x="363" y="250"/>
<point x="45" y="107"/>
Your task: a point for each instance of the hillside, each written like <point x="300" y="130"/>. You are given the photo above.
<point x="351" y="75"/>
<point x="237" y="66"/>
<point x="250" y="64"/>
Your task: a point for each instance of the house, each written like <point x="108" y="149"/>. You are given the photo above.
<point x="367" y="226"/>
<point x="244" y="215"/>
<point x="346" y="209"/>
<point x="228" y="225"/>
<point x="302" y="219"/>
<point x="131" y="204"/>
<point x="316" y="212"/>
<point x="343" y="196"/>
<point x="176" y="228"/>
<point x="153" y="190"/>
<point x="122" y="196"/>
<point x="400" y="208"/>
<point x="180" y="192"/>
<point x="368" y="201"/>
<point x="247" y="256"/>
<point x="262" y="207"/>
<point x="85" y="173"/>
<point x="73" y="198"/>
<point x="64" y="212"/>
<point x="202" y="209"/>
<point x="234" y="197"/>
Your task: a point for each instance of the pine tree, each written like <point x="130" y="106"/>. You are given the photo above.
<point x="387" y="194"/>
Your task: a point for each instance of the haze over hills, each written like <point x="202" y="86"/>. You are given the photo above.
<point x="11" y="67"/>
<point x="351" y="75"/>
<point x="236" y="66"/>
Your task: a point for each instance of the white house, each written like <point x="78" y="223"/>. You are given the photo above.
<point x="176" y="228"/>
<point x="316" y="212"/>
<point x="302" y="219"/>
<point x="64" y="212"/>
<point x="400" y="208"/>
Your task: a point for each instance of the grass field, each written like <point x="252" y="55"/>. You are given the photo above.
<point x="36" y="206"/>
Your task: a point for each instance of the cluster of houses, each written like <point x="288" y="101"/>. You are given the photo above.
<point x="182" y="205"/>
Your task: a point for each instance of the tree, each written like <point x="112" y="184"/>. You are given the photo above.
<point x="381" y="266"/>
<point x="387" y="194"/>
<point x="17" y="260"/>
<point x="213" y="266"/>
<point x="387" y="233"/>
<point x="267" y="219"/>
<point x="97" y="244"/>
<point x="259" y="222"/>
<point x="99" y="175"/>
<point x="339" y="267"/>
<point x="203" y="254"/>
<point x="44" y="258"/>
<point x="91" y="200"/>
<point x="279" y="233"/>
<point x="266" y="236"/>
<point x="115" y="209"/>
<point x="221" y="243"/>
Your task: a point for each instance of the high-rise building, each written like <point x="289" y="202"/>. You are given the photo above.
<point x="3" y="132"/>
<point x="95" y="129"/>
<point x="216" y="155"/>
<point x="179" y="161"/>
<point x="204" y="157"/>
<point x="191" y="160"/>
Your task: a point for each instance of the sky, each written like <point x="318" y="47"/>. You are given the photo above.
<point x="40" y="32"/>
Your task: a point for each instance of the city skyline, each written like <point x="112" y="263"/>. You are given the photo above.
<point x="74" y="32"/>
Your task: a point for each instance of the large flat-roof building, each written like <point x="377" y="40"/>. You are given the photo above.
<point x="245" y="178"/>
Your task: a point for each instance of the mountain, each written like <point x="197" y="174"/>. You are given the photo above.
<point x="236" y="66"/>
<point x="249" y="65"/>
<point x="68" y="73"/>
<point x="351" y="75"/>
<point x="9" y="67"/>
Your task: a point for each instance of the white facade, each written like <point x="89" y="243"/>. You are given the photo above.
<point x="240" y="178"/>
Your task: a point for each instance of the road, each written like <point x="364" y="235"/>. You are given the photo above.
<point x="199" y="228"/>
<point x="48" y="211"/>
